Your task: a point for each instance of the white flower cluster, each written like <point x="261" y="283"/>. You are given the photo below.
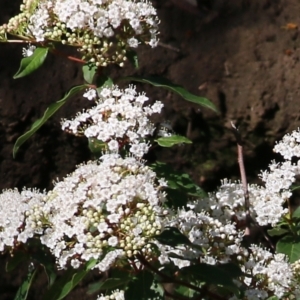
<point x="115" y="295"/>
<point x="15" y="226"/>
<point x="105" y="211"/>
<point x="119" y="119"/>
<point x="268" y="201"/>
<point x="273" y="270"/>
<point x="219" y="240"/>
<point x="103" y="29"/>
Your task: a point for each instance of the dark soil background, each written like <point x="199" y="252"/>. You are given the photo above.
<point x="237" y="53"/>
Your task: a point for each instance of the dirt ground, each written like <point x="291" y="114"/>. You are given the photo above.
<point x="241" y="55"/>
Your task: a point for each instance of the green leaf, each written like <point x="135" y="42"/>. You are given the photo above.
<point x="158" y="290"/>
<point x="296" y="213"/>
<point x="165" y="83"/>
<point x="91" y="264"/>
<point x="140" y="287"/>
<point x="31" y="63"/>
<point x="180" y="186"/>
<point x="97" y="147"/>
<point x="47" y="262"/>
<point x="290" y="246"/>
<point x="62" y="287"/>
<point x="214" y="274"/>
<point x="172" y="140"/>
<point x="102" y="82"/>
<point x="277" y="231"/>
<point x="187" y="292"/>
<point x="15" y="260"/>
<point x="22" y="292"/>
<point x="132" y="58"/>
<point x="171" y="236"/>
<point x="89" y="70"/>
<point x="117" y="279"/>
<point x="50" y="111"/>
<point x="113" y="283"/>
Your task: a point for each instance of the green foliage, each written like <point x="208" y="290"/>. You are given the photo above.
<point x="167" y="84"/>
<point x="142" y="288"/>
<point x="181" y="187"/>
<point x="23" y="290"/>
<point x="171" y="236"/>
<point x="219" y="275"/>
<point x="288" y="231"/>
<point x="96" y="147"/>
<point x="170" y="141"/>
<point x="50" y="111"/>
<point x="31" y="63"/>
<point x="42" y="257"/>
<point x="65" y="284"/>
<point x="89" y="70"/>
<point x="118" y="279"/>
<point x="290" y="246"/>
<point x="296" y="214"/>
<point x="15" y="260"/>
<point x="103" y="81"/>
<point x="277" y="231"/>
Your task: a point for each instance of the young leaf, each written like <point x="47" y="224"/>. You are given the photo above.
<point x="89" y="70"/>
<point x="165" y="83"/>
<point x="22" y="292"/>
<point x="289" y="246"/>
<point x="31" y="63"/>
<point x="50" y="111"/>
<point x="172" y="140"/>
<point x="171" y="236"/>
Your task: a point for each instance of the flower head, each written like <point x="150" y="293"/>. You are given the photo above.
<point x="107" y="211"/>
<point x="102" y="29"/>
<point x="119" y="119"/>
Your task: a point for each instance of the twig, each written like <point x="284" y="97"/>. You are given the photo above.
<point x="242" y="171"/>
<point x="249" y="219"/>
<point x="169" y="47"/>
<point x="54" y="51"/>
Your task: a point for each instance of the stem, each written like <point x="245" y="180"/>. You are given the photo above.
<point x="242" y="172"/>
<point x="17" y="41"/>
<point x="54" y="51"/>
<point x="249" y="219"/>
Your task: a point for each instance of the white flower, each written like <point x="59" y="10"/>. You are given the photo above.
<point x="115" y="295"/>
<point x="90" y="94"/>
<point x="28" y="51"/>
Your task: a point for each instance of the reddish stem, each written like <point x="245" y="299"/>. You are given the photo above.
<point x="68" y="56"/>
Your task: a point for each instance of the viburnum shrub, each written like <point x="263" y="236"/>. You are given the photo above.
<point x="150" y="232"/>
